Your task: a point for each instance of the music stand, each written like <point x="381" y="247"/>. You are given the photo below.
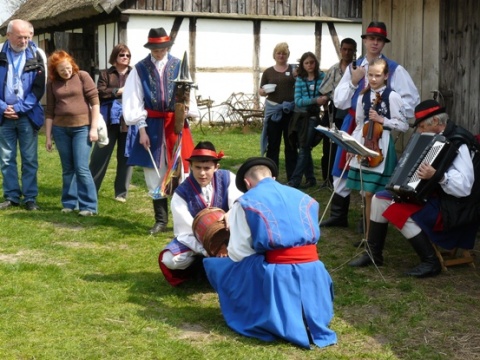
<point x="350" y="145"/>
<point x="327" y="184"/>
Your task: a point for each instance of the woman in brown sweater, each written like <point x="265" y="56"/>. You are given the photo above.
<point x="72" y="113"/>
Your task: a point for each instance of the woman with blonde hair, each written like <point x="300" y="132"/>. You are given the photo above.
<point x="72" y="113"/>
<point x="278" y="108"/>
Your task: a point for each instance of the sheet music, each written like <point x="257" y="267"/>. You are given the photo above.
<point x="346" y="141"/>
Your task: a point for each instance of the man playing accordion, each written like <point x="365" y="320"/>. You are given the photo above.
<point x="429" y="221"/>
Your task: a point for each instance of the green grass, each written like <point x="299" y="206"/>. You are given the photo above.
<point x="90" y="288"/>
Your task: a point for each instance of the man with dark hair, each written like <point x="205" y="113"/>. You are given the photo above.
<point x="421" y="224"/>
<point x="22" y="75"/>
<point x="348" y="48"/>
<point x="272" y="284"/>
<point x="207" y="186"/>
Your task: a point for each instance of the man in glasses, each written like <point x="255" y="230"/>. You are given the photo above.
<point x="22" y="75"/>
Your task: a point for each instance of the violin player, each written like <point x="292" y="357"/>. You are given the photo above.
<point x="345" y="97"/>
<point x="379" y="111"/>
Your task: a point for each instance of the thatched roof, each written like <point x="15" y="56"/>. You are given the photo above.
<point x="47" y="13"/>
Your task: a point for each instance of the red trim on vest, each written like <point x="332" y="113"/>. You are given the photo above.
<point x="293" y="255"/>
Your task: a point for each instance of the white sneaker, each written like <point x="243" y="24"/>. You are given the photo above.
<point x="121" y="199"/>
<point x="66" y="210"/>
<point x="85" y="213"/>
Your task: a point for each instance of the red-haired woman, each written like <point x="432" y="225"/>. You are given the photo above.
<point x="72" y="113"/>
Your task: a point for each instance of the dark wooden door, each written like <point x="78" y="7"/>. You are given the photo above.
<point x="79" y="46"/>
<point x="459" y="70"/>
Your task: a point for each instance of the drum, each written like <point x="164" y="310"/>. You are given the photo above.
<point x="211" y="232"/>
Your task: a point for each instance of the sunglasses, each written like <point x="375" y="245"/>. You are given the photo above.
<point x="124" y="55"/>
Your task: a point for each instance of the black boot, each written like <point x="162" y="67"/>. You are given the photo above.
<point x="376" y="241"/>
<point x="338" y="212"/>
<point x="160" y="207"/>
<point x="429" y="265"/>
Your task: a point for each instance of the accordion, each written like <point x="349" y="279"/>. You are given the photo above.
<point x="434" y="149"/>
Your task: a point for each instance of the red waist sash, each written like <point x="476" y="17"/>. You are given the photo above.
<point x="160" y="114"/>
<point x="293" y="255"/>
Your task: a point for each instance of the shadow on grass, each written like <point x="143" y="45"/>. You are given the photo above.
<point x="193" y="301"/>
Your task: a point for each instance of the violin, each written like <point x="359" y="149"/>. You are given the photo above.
<point x="372" y="133"/>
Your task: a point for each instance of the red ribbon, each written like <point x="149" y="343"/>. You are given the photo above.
<point x="206" y="152"/>
<point x="374" y="30"/>
<point x="159" y="40"/>
<point x="426" y="112"/>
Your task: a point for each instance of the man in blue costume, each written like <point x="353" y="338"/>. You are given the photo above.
<point x="346" y="96"/>
<point x="207" y="186"/>
<point x="272" y="284"/>
<point x="148" y="102"/>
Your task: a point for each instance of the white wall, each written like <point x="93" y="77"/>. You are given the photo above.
<point x="229" y="43"/>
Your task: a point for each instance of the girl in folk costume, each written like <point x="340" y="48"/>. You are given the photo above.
<point x="379" y="111"/>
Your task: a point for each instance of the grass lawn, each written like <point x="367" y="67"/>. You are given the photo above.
<point x="90" y="288"/>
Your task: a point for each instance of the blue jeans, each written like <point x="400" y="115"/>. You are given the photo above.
<point x="304" y="159"/>
<point x="78" y="188"/>
<point x="12" y="132"/>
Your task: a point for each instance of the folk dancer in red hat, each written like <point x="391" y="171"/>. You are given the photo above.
<point x="206" y="186"/>
<point x="148" y="102"/>
<point x="346" y="97"/>
<point x="272" y="284"/>
<point x="443" y="219"/>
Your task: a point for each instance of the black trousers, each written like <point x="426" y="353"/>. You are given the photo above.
<point x="329" y="151"/>
<point x="100" y="158"/>
<point x="275" y="132"/>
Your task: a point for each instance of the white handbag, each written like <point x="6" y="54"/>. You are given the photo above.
<point x="102" y="132"/>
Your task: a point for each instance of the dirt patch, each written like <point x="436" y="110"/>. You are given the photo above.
<point x="82" y="245"/>
<point x="28" y="256"/>
<point x="197" y="333"/>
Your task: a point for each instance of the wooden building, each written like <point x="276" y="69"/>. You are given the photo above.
<point x="229" y="42"/>
<point x="437" y="42"/>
